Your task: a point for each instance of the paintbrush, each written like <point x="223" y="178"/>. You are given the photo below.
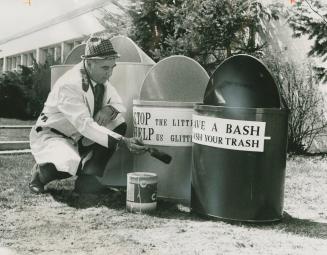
<point x="160" y="155"/>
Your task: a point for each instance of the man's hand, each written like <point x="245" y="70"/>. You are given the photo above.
<point x="134" y="145"/>
<point x="105" y="115"/>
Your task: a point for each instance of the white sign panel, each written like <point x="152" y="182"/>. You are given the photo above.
<point x="230" y="134"/>
<point x="166" y="126"/>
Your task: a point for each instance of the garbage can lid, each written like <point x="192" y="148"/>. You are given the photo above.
<point x="242" y="81"/>
<point x="129" y="51"/>
<point x="74" y="56"/>
<point x="176" y="78"/>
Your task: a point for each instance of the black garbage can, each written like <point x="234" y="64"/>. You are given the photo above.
<point x="240" y="140"/>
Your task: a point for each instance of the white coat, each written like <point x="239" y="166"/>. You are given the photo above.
<point x="69" y="110"/>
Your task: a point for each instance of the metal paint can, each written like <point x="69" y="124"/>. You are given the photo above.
<point x="141" y="195"/>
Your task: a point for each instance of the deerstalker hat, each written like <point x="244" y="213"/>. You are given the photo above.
<point x="99" y="47"/>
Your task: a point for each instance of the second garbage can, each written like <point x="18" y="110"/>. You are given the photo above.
<point x="163" y="119"/>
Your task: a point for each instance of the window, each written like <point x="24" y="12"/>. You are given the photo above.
<point x="18" y="63"/>
<point x="51" y="52"/>
<point x="30" y="59"/>
<point x="8" y="64"/>
<point x="24" y="56"/>
<point x="57" y="55"/>
<point x="1" y="65"/>
<point x="13" y="63"/>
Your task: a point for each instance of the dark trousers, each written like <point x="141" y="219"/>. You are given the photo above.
<point x="93" y="167"/>
<point x="96" y="165"/>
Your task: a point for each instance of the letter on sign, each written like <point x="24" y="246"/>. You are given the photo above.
<point x="166" y="126"/>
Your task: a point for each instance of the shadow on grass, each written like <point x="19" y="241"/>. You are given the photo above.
<point x="167" y="209"/>
<point x="109" y="198"/>
<point x="116" y="199"/>
<point x="304" y="227"/>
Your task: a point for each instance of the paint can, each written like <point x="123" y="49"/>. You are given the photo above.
<point x="141" y="195"/>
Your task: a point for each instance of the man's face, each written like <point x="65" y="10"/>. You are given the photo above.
<point x="100" y="70"/>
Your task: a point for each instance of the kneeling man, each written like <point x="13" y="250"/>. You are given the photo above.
<point x="81" y="124"/>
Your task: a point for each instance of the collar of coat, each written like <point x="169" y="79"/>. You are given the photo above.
<point x="85" y="79"/>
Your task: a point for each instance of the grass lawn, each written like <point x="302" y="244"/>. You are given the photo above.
<point x="61" y="222"/>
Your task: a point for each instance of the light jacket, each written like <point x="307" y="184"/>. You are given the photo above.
<point x="70" y="105"/>
<point x="69" y="109"/>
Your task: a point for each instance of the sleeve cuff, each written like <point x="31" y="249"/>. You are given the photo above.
<point x="113" y="142"/>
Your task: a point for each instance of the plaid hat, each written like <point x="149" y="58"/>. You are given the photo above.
<point x="99" y="47"/>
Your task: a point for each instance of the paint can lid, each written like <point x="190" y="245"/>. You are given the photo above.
<point x="142" y="177"/>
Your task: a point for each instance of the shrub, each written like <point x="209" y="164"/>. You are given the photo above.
<point x="12" y="97"/>
<point x="205" y="30"/>
<point x="39" y="87"/>
<point x="300" y="90"/>
<point x="23" y="93"/>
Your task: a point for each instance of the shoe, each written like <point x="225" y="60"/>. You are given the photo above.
<point x="35" y="185"/>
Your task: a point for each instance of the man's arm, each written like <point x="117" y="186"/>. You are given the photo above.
<point x="71" y="104"/>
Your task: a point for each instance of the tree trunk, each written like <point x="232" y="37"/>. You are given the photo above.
<point x="229" y="51"/>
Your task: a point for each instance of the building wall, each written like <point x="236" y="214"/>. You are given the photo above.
<point x="58" y="52"/>
<point x="55" y="38"/>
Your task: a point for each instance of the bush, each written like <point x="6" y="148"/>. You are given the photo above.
<point x="300" y="90"/>
<point x="23" y="93"/>
<point x="40" y="83"/>
<point x="205" y="30"/>
<point x="13" y="100"/>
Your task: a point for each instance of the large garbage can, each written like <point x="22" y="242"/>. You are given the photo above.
<point x="240" y="141"/>
<point x="163" y="119"/>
